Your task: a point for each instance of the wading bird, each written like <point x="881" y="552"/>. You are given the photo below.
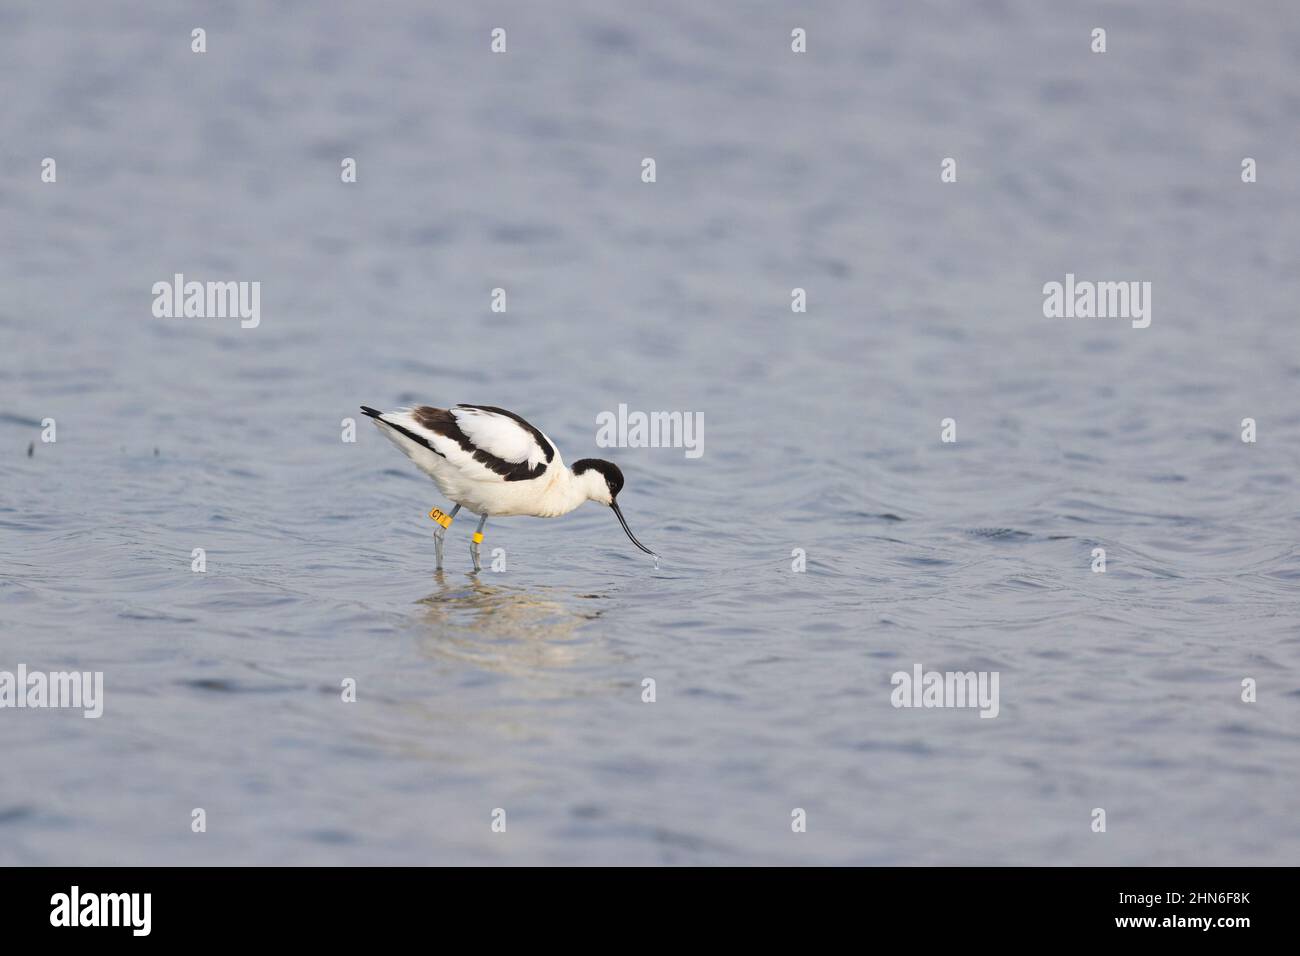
<point x="492" y="462"/>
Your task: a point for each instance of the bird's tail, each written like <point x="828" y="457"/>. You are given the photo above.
<point x="373" y="413"/>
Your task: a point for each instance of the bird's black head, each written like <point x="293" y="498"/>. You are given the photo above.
<point x="608" y="470"/>
<point x="613" y="484"/>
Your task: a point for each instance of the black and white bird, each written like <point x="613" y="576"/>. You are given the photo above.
<point x="492" y="462"/>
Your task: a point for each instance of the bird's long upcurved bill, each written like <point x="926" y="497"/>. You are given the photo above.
<point x="623" y="522"/>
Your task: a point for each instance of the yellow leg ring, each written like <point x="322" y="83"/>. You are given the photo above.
<point x="442" y="519"/>
<point x="478" y="537"/>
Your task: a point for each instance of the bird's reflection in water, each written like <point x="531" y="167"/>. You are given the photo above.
<point x="503" y="628"/>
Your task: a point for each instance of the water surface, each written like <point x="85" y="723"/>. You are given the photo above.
<point x="522" y="689"/>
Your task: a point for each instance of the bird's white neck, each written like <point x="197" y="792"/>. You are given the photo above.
<point x="569" y="491"/>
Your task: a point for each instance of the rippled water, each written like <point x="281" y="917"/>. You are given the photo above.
<point x="522" y="690"/>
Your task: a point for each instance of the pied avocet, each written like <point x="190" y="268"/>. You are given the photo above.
<point x="492" y="462"/>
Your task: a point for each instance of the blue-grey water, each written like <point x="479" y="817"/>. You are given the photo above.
<point x="521" y="690"/>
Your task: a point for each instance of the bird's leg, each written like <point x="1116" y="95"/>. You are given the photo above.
<point x="476" y="541"/>
<point x="444" y="522"/>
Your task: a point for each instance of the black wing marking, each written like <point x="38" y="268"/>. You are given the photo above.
<point x="440" y="421"/>
<point x="418" y="439"/>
